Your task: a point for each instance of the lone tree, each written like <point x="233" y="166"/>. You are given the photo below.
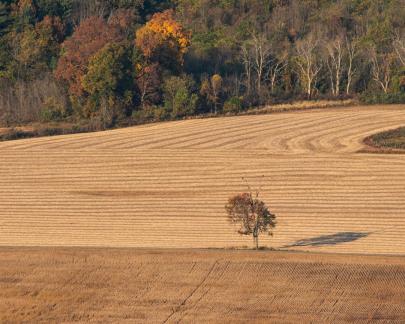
<point x="251" y="213"/>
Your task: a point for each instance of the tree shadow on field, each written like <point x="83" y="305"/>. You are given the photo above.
<point x="338" y="238"/>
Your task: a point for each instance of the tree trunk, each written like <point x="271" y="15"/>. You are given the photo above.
<point x="349" y="82"/>
<point x="256" y="240"/>
<point x="273" y="82"/>
<point x="337" y="91"/>
<point x="309" y="88"/>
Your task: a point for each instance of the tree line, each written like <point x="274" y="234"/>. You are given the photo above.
<point x="112" y="62"/>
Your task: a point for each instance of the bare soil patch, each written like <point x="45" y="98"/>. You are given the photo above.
<point x="171" y="286"/>
<point x="391" y="141"/>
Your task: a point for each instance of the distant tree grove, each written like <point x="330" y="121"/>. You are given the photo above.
<point x="114" y="62"/>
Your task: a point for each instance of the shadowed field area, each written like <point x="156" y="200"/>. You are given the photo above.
<point x="334" y="239"/>
<point x="393" y="139"/>
<point x="166" y="184"/>
<point x="162" y="286"/>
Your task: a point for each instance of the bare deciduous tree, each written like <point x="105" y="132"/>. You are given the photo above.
<point x="381" y="68"/>
<point x="248" y="67"/>
<point x="84" y="9"/>
<point x="256" y="60"/>
<point x="277" y="66"/>
<point x="252" y="214"/>
<point x="308" y="63"/>
<point x="23" y="101"/>
<point x="399" y="46"/>
<point x="334" y="62"/>
<point x="261" y="50"/>
<point x="352" y="50"/>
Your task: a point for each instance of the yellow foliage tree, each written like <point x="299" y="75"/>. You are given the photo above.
<point x="211" y="89"/>
<point x="161" y="36"/>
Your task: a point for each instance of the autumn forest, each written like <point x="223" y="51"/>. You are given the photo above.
<point x="105" y="63"/>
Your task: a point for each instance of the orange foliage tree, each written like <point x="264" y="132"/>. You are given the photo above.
<point x="163" y="40"/>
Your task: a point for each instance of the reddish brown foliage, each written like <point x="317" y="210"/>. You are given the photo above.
<point x="24" y="5"/>
<point x="123" y="19"/>
<point x="91" y="36"/>
<point x="252" y="214"/>
<point x="53" y="26"/>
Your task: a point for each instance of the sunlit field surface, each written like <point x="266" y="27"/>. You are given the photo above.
<point x="165" y="185"/>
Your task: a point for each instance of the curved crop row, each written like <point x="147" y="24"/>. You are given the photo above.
<point x="165" y="185"/>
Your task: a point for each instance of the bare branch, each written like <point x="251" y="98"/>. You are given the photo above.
<point x="308" y="62"/>
<point x="381" y="67"/>
<point x="399" y="46"/>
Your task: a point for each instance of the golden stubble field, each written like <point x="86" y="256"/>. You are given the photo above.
<point x="48" y="285"/>
<point x="72" y="209"/>
<point x="165" y="185"/>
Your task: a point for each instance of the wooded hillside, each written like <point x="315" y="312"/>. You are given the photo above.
<point x="112" y="62"/>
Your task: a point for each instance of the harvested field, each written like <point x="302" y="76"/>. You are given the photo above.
<point x="159" y="286"/>
<point x="165" y="185"/>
